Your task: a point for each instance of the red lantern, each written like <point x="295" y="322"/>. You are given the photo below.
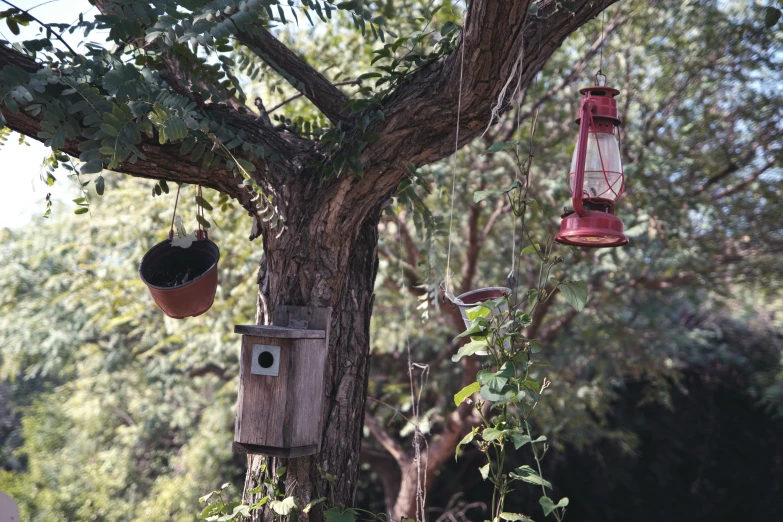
<point x="596" y="179"/>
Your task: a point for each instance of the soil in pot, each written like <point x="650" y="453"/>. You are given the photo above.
<point x="179" y="266"/>
<point x="174" y="266"/>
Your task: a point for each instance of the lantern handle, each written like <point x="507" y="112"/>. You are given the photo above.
<point x="581" y="155"/>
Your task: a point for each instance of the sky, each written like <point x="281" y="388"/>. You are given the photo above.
<point x="20" y="165"/>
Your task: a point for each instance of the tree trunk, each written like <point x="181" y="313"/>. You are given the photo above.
<point x="319" y="261"/>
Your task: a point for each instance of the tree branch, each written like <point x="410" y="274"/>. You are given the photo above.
<point x="421" y="115"/>
<point x="309" y="82"/>
<point x="750" y="179"/>
<point x="388" y="442"/>
<point x="164" y="162"/>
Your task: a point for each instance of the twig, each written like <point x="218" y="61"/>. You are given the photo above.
<point x="42" y="25"/>
<point x="299" y="94"/>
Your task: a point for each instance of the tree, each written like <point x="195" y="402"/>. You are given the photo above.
<point x="315" y="193"/>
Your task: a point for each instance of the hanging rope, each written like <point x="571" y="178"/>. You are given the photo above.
<point x="514" y="280"/>
<point x="418" y="436"/>
<point x="447" y="277"/>
<point x="174" y="214"/>
<point x="202" y="232"/>
<point x="601" y="59"/>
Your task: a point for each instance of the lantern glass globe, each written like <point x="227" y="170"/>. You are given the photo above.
<point x="603" y="168"/>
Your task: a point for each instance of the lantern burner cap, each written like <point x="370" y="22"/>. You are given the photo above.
<point x="596" y="228"/>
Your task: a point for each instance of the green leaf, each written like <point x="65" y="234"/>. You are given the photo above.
<point x="513" y="516"/>
<point x="285" y="506"/>
<point x="205" y="204"/>
<point x="12" y="25"/>
<point x="771" y="16"/>
<point x="246" y="165"/>
<point x="206" y="497"/>
<point x="575" y="292"/>
<point x="528" y="474"/>
<point x="536" y="346"/>
<point x="466" y="392"/>
<point x="481" y="195"/>
<point x="502" y="145"/>
<point x="478" y="327"/>
<point x="91" y="167"/>
<point x="81" y="210"/>
<point x="481" y="310"/>
<point x="547" y="505"/>
<point x="209" y="510"/>
<point x="550" y="506"/>
<point x="312" y="503"/>
<point x="490" y="434"/>
<point x="467" y="439"/>
<point x="498" y="380"/>
<point x="535" y="247"/>
<point x="99" y="185"/>
<point x="203" y="221"/>
<point x="469" y="349"/>
<point x="484" y="470"/>
<point x="519" y="439"/>
<point x="108" y="129"/>
<point x="335" y="515"/>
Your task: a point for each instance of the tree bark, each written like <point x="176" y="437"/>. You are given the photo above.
<point x="325" y="259"/>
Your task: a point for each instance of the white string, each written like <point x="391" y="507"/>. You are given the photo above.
<point x="421" y="486"/>
<point x="517" y="176"/>
<point x="447" y="278"/>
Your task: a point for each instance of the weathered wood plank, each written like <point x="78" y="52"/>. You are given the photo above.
<point x="306" y="385"/>
<point x="278" y="332"/>
<point x="261" y="407"/>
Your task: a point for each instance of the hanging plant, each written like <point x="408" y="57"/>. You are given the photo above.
<point x="181" y="272"/>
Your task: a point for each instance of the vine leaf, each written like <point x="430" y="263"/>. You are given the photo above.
<point x="549" y="506"/>
<point x="466" y="392"/>
<point x="285" y="506"/>
<point x="467" y="439"/>
<point x="496" y="381"/>
<point x="529" y="475"/>
<point x="514" y="516"/>
<point x="491" y="434"/>
<point x="469" y="349"/>
<point x="481" y="195"/>
<point x="501" y="145"/>
<point x="535" y="247"/>
<point x="519" y="439"/>
<point x="335" y="515"/>
<point x="312" y="503"/>
<point x="575" y="292"/>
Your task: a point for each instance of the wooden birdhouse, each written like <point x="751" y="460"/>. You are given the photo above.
<point x="281" y="383"/>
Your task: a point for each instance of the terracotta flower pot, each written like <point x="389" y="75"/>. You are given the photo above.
<point x="182" y="281"/>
